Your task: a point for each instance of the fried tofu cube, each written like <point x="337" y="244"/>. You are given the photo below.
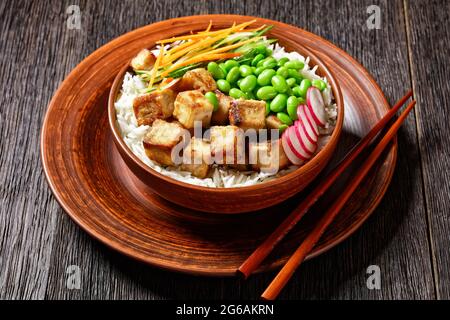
<point x="197" y="157"/>
<point x="248" y="114"/>
<point x="227" y="145"/>
<point x="156" y="105"/>
<point x="197" y="79"/>
<point x="268" y="156"/>
<point x="220" y="116"/>
<point x="143" y="61"/>
<point x="161" y="139"/>
<point x="191" y="106"/>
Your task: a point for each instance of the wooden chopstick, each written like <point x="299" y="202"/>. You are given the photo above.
<point x="255" y="259"/>
<point x="299" y="255"/>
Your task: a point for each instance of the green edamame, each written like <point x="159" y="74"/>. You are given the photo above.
<point x="270" y="63"/>
<point x="266" y="93"/>
<point x="223" y="68"/>
<point x="245" y="70"/>
<point x="248" y="83"/>
<point x="295" y="74"/>
<point x="230" y="64"/>
<point x="257" y="59"/>
<point x="282" y="61"/>
<point x="291" y="82"/>
<point x="294" y="64"/>
<point x="319" y="84"/>
<point x="223" y="85"/>
<point x="261" y="49"/>
<point x="212" y="98"/>
<point x="283" y="71"/>
<point x="266" y="76"/>
<point x="291" y="106"/>
<point x="283" y="117"/>
<point x="278" y="103"/>
<point x="216" y="72"/>
<point x="283" y="127"/>
<point x="258" y="71"/>
<point x="233" y="74"/>
<point x="267" y="108"/>
<point x="304" y="85"/>
<point x="237" y="94"/>
<point x="279" y="83"/>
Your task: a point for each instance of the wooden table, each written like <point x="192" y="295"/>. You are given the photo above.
<point x="407" y="236"/>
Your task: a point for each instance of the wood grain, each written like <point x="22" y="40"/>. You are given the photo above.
<point x="429" y="50"/>
<point x="38" y="241"/>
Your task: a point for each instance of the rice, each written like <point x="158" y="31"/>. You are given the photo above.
<point x="220" y="177"/>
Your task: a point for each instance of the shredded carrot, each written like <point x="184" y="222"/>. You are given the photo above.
<point x="209" y="57"/>
<point x="209" y="26"/>
<point x="156" y="66"/>
<point x="209" y="33"/>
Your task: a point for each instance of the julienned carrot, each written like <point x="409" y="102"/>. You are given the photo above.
<point x="209" y="26"/>
<point x="156" y="66"/>
<point x="209" y="33"/>
<point x="209" y="57"/>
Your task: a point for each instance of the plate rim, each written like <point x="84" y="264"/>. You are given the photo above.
<point x="124" y="249"/>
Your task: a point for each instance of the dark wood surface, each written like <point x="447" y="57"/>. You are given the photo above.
<point x="408" y="235"/>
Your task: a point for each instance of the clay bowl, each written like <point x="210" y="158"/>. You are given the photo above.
<point x="240" y="199"/>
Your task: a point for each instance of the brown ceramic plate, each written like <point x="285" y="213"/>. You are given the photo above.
<point x="91" y="182"/>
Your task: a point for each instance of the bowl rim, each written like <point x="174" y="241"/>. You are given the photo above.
<point x="314" y="60"/>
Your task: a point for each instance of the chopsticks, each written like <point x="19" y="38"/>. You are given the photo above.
<point x="266" y="247"/>
<point x="255" y="259"/>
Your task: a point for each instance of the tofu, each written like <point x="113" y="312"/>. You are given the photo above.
<point x="197" y="158"/>
<point x="272" y="122"/>
<point x="220" y="116"/>
<point x="156" y="105"/>
<point x="161" y="140"/>
<point x="197" y="79"/>
<point x="191" y="106"/>
<point x="248" y="114"/>
<point x="268" y="156"/>
<point x="143" y="61"/>
<point x="227" y="145"/>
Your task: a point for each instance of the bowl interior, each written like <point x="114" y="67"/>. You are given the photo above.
<point x="289" y="45"/>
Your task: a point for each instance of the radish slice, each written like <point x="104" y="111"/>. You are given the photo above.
<point x="311" y="121"/>
<point x="306" y="124"/>
<point x="299" y="150"/>
<point x="307" y="145"/>
<point x="316" y="105"/>
<point x="288" y="149"/>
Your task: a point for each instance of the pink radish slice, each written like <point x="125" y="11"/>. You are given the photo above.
<point x="306" y="125"/>
<point x="299" y="150"/>
<point x="306" y="145"/>
<point x="311" y="120"/>
<point x="288" y="147"/>
<point x="316" y="105"/>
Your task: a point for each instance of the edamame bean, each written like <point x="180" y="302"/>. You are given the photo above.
<point x="230" y="64"/>
<point x="283" y="127"/>
<point x="319" y="84"/>
<point x="291" y="82"/>
<point x="278" y="103"/>
<point x="216" y="72"/>
<point x="261" y="49"/>
<point x="296" y="91"/>
<point x="267" y="108"/>
<point x="284" y="118"/>
<point x="301" y="100"/>
<point x="253" y="70"/>
<point x="233" y="74"/>
<point x="282" y="61"/>
<point x="239" y="82"/>
<point x="295" y="74"/>
<point x="269" y="52"/>
<point x="266" y="76"/>
<point x="279" y="83"/>
<point x="248" y="83"/>
<point x="222" y="67"/>
<point x="291" y="106"/>
<point x="304" y="85"/>
<point x="212" y="98"/>
<point x="266" y="93"/>
<point x="223" y="85"/>
<point x="283" y="71"/>
<point x="236" y="93"/>
<point x="245" y="70"/>
<point x="269" y="63"/>
<point x="258" y="71"/>
<point x="260" y="62"/>
<point x="257" y="59"/>
<point x="294" y="64"/>
<point x="250" y="95"/>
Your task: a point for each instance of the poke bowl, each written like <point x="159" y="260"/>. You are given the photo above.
<point x="226" y="120"/>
